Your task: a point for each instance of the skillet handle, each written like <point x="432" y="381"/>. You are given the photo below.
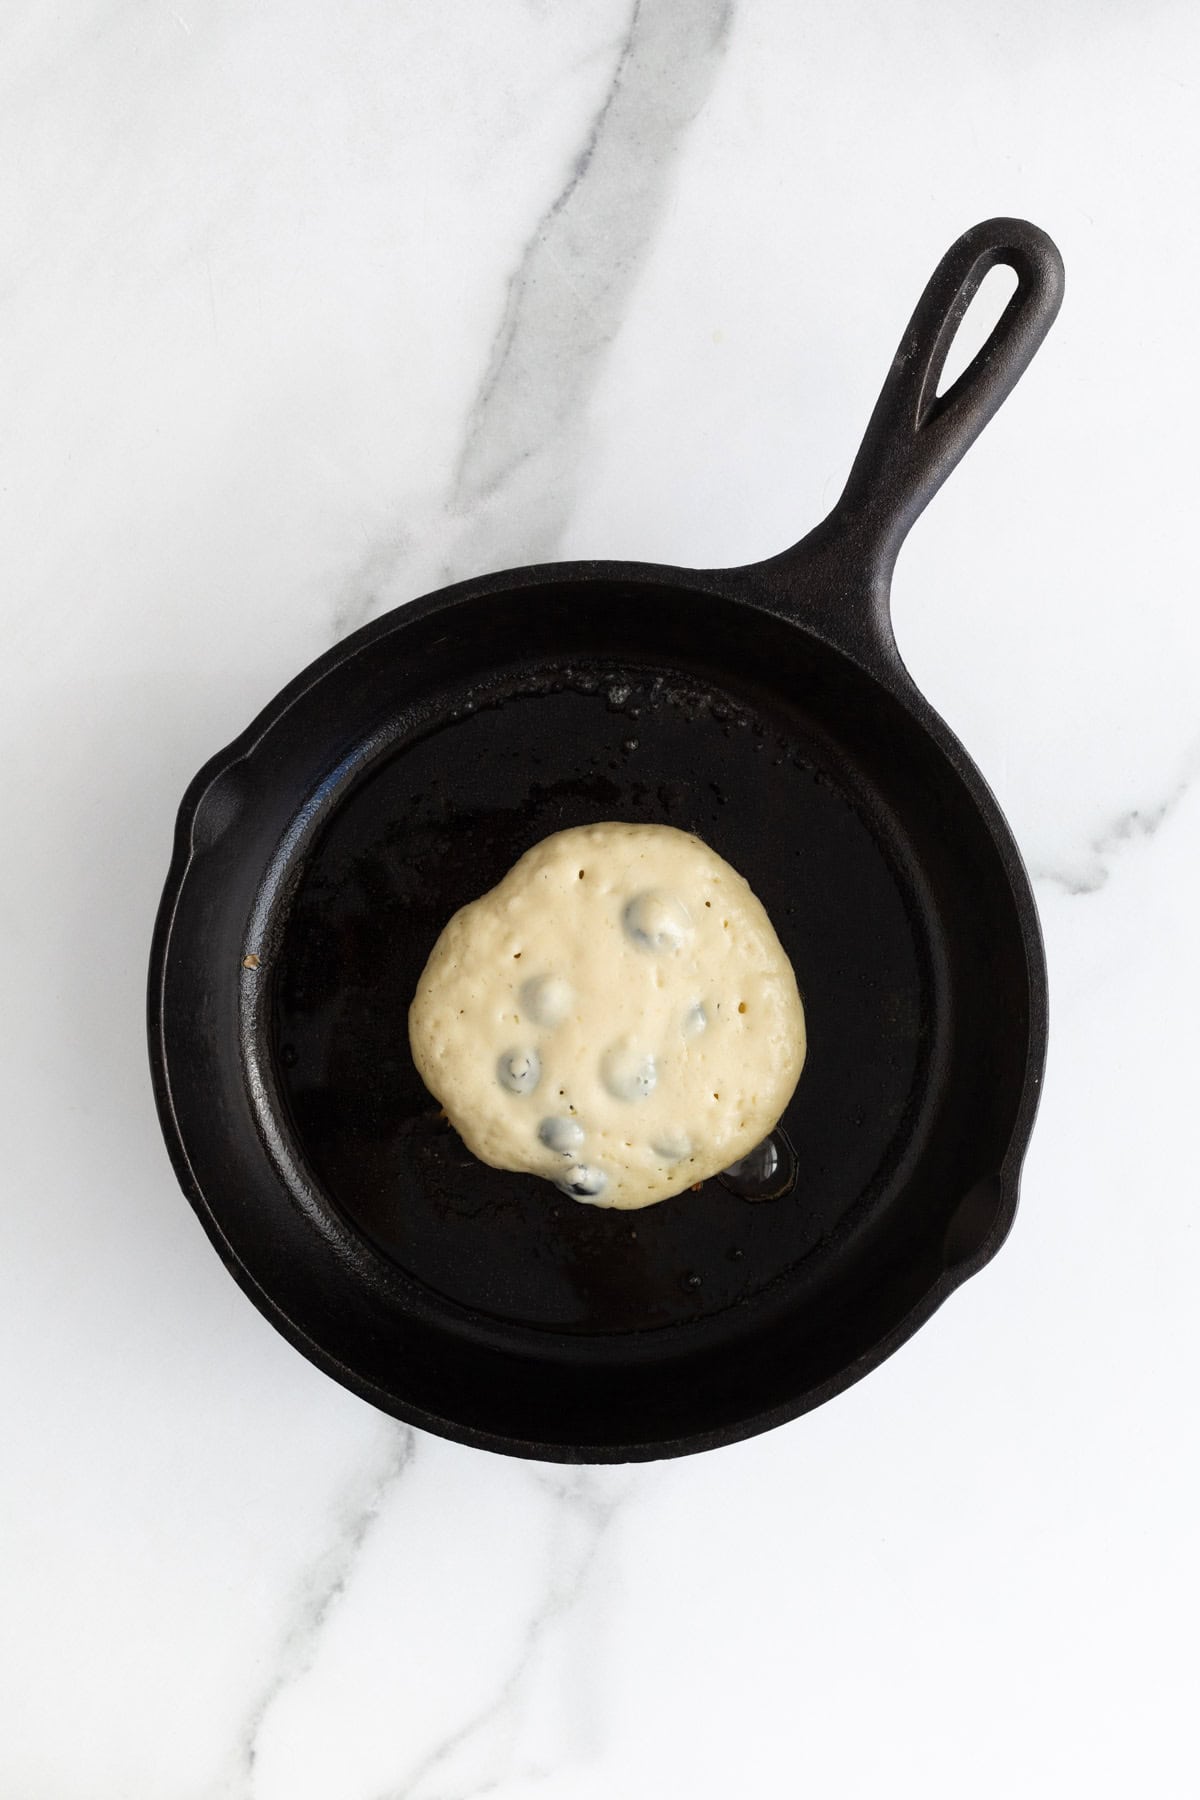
<point x="916" y="435"/>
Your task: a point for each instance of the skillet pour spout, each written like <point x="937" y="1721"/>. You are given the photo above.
<point x="765" y="708"/>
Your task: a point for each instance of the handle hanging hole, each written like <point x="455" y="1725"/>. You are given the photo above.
<point x="978" y="323"/>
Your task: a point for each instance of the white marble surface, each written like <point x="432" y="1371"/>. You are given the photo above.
<point x="306" y="308"/>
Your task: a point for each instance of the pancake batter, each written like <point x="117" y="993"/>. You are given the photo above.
<point x="617" y="1016"/>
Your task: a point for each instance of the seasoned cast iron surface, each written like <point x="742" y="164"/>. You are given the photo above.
<point x="440" y="821"/>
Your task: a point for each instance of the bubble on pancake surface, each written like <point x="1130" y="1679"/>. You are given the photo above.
<point x="672" y="1143"/>
<point x="565" y="1136"/>
<point x="628" y="1071"/>
<point x="546" y="999"/>
<point x="583" y="1182"/>
<point x="657" y="921"/>
<point x="519" y="1070"/>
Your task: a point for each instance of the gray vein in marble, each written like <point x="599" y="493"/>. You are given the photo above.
<point x="1134" y="826"/>
<point x="564" y="305"/>
<point x="589" y="1498"/>
<point x="320" y="1588"/>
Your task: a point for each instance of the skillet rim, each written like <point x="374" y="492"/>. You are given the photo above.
<point x="872" y="651"/>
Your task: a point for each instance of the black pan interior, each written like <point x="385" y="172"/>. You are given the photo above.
<point x="441" y="820"/>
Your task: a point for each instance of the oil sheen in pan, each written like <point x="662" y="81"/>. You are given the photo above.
<point x="441" y="820"/>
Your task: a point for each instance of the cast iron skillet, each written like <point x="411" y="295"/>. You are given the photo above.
<point x="765" y="708"/>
